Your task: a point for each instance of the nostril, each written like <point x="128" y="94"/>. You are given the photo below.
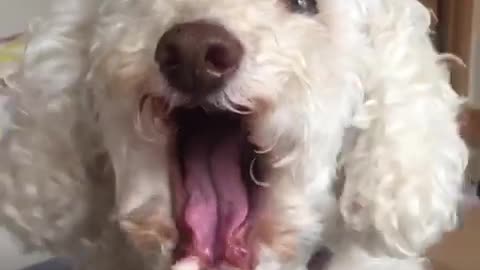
<point x="218" y="59"/>
<point x="221" y="59"/>
<point x="169" y="57"/>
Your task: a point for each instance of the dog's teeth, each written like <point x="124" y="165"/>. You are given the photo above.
<point x="187" y="264"/>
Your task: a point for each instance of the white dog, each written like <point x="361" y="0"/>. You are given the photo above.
<point x="205" y="134"/>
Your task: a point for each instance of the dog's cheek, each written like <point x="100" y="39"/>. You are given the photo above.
<point x="276" y="236"/>
<point x="123" y="74"/>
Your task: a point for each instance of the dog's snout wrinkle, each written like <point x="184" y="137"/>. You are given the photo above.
<point x="198" y="58"/>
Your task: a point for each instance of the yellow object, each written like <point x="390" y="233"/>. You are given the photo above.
<point x="12" y="50"/>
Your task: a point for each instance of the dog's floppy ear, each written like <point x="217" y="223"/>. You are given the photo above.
<point x="45" y="195"/>
<point x="404" y="176"/>
<point x="57" y="49"/>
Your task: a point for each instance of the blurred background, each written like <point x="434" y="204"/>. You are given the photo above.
<point x="15" y="14"/>
<point x="14" y="17"/>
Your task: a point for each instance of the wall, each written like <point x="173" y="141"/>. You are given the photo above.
<point x="475" y="65"/>
<point x="15" y="14"/>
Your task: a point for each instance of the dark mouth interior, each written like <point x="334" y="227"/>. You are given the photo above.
<point x="214" y="216"/>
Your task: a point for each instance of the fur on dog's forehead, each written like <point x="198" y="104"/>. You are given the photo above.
<point x="248" y="20"/>
<point x="191" y="9"/>
<point x="279" y="42"/>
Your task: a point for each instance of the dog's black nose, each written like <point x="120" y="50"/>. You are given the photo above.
<point x="198" y="58"/>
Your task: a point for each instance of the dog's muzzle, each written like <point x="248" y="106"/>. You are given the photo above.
<point x="198" y="58"/>
<point x="216" y="198"/>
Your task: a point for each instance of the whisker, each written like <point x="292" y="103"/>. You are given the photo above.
<point x="254" y="178"/>
<point x="140" y="121"/>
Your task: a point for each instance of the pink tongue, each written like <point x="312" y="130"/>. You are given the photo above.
<point x="217" y="206"/>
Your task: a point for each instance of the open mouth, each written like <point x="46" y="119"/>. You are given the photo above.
<point x="216" y="197"/>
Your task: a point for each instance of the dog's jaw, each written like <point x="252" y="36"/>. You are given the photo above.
<point x="225" y="216"/>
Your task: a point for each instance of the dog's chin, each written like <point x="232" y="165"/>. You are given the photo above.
<point x="217" y="195"/>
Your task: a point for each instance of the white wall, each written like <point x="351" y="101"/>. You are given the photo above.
<point x="14" y="17"/>
<point x="15" y="14"/>
<point x="11" y="256"/>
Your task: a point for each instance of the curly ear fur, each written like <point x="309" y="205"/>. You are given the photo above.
<point x="404" y="176"/>
<point x="45" y="192"/>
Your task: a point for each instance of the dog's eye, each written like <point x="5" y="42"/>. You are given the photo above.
<point x="303" y="6"/>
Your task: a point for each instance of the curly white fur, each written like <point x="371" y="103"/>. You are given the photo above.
<point x="360" y="68"/>
<point x="404" y="177"/>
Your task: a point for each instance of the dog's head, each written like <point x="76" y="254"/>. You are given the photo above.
<point x="236" y="85"/>
<point x="266" y="60"/>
